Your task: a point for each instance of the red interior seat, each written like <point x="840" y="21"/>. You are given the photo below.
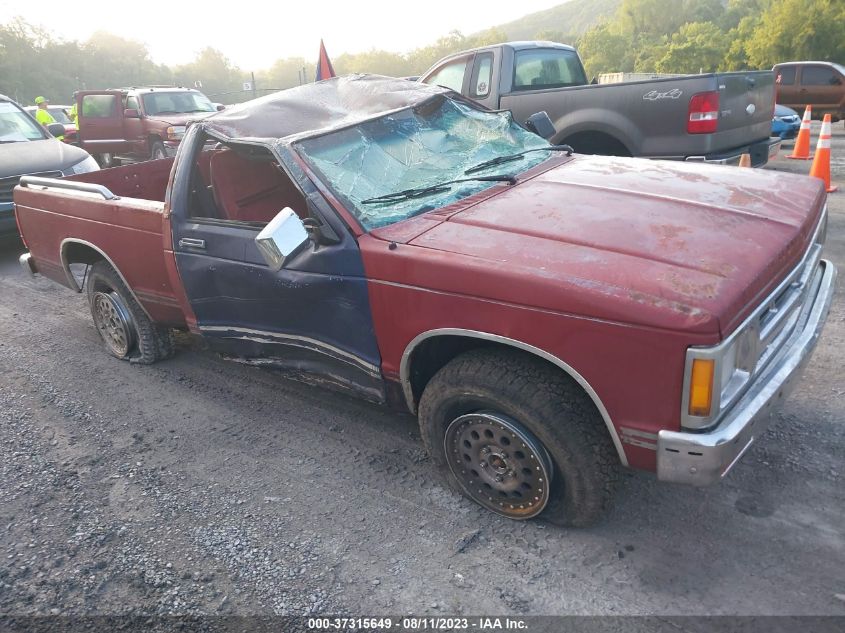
<point x="249" y="190"/>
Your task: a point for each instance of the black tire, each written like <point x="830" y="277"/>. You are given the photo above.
<point x="106" y="160"/>
<point x="546" y="402"/>
<point x="157" y="150"/>
<point x="128" y="332"/>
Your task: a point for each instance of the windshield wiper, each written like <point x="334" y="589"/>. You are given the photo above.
<point x="512" y="157"/>
<point x="419" y="192"/>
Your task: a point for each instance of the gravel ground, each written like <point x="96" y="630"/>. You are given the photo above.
<point x="199" y="486"/>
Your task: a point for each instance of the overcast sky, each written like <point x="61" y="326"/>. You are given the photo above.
<point x="254" y="34"/>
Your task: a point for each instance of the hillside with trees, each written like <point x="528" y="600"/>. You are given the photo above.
<point x="563" y="23"/>
<point x="671" y="36"/>
<point x="709" y="35"/>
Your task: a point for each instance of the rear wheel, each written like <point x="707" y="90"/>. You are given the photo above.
<point x="124" y="327"/>
<point x="519" y="437"/>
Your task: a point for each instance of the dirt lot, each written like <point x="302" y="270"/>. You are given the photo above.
<point x="202" y="486"/>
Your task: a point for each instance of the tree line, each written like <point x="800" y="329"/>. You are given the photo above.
<point x="691" y="36"/>
<point x="34" y="62"/>
<point x="666" y="36"/>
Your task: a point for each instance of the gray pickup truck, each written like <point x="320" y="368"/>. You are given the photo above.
<point x="713" y="117"/>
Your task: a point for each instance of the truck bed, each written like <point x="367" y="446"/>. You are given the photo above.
<point x="650" y="117"/>
<point x="63" y="225"/>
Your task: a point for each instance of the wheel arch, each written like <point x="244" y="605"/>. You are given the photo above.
<point x="78" y="251"/>
<point x="604" y="142"/>
<point x="458" y="341"/>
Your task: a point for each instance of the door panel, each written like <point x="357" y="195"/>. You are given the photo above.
<point x="821" y="85"/>
<point x="312" y="316"/>
<point x="788" y="90"/>
<point x="295" y="318"/>
<point x="101" y="122"/>
<point x="134" y="131"/>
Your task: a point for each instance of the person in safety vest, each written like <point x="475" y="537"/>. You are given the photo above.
<point x="42" y="115"/>
<point x="72" y="113"/>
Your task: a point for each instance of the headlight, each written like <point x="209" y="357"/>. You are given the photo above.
<point x="715" y="376"/>
<point x="175" y="132"/>
<point x="83" y="167"/>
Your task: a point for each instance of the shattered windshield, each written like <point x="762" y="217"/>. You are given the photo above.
<point x="418" y="147"/>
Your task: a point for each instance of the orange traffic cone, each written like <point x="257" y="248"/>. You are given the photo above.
<point x="801" y="151"/>
<point x="745" y="160"/>
<point x="821" y="163"/>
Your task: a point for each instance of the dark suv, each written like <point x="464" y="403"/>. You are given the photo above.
<point x="26" y="148"/>
<point x="819" y="84"/>
<point x="137" y="123"/>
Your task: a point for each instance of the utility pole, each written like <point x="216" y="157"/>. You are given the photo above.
<point x="254" y="90"/>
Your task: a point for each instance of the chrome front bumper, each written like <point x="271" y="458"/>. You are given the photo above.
<point x="701" y="459"/>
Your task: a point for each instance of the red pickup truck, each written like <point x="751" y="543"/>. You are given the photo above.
<point x="139" y="123"/>
<point x="549" y="317"/>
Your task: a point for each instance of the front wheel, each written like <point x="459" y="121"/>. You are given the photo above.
<point x="121" y="322"/>
<point x="519" y="437"/>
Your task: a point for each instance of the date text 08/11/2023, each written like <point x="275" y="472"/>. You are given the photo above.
<point x="416" y="624"/>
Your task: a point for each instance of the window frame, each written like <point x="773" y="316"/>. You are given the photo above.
<point x="816" y="67"/>
<point x="529" y="88"/>
<point x="788" y="69"/>
<point x="111" y="115"/>
<point x="480" y="58"/>
<point x="468" y="61"/>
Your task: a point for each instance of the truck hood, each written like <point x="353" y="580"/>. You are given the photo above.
<point x="654" y="243"/>
<point x="28" y="157"/>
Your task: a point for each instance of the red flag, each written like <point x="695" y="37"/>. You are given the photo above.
<point x="324" y="64"/>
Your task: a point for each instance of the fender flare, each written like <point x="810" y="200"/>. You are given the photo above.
<point x="405" y="372"/>
<point x="72" y="280"/>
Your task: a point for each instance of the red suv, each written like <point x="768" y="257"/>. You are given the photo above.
<point x="137" y="123"/>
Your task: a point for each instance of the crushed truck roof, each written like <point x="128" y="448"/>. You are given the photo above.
<point x="314" y="109"/>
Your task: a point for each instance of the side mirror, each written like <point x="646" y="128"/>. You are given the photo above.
<point x="56" y="129"/>
<point x="131" y="113"/>
<point x="220" y="107"/>
<point x="541" y="125"/>
<point x="281" y="239"/>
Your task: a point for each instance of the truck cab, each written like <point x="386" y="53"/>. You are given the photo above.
<point x="137" y="124"/>
<point x="710" y="117"/>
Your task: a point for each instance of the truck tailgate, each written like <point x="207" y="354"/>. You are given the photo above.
<point x="746" y="104"/>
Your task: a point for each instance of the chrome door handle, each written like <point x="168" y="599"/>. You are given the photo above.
<point x="190" y="242"/>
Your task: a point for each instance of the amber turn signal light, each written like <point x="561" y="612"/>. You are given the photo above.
<point x="701" y="387"/>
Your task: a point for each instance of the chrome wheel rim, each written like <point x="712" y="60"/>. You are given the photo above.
<point x="113" y="322"/>
<point x="499" y="464"/>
